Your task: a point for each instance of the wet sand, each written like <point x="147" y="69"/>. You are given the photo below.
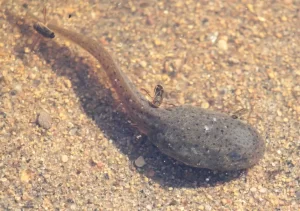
<point x="219" y="55"/>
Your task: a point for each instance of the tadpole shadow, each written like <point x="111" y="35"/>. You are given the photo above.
<point x="97" y="103"/>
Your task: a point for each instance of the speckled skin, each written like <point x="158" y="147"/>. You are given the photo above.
<point x="196" y="137"/>
<point x="206" y="139"/>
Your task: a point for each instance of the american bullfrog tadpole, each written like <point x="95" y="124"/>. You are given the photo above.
<point x="195" y="136"/>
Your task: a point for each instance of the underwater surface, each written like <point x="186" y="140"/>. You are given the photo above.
<point x="66" y="142"/>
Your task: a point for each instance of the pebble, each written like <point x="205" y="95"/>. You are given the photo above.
<point x="207" y="207"/>
<point x="64" y="158"/>
<point x="25" y="176"/>
<point x="157" y="42"/>
<point x="233" y="60"/>
<point x="73" y="131"/>
<point x="262" y="190"/>
<point x="205" y="104"/>
<point x="73" y="207"/>
<point x="18" y="88"/>
<point x="201" y="207"/>
<point x="250" y="7"/>
<point x="222" y="44"/>
<point x="26" y="50"/>
<point x="3" y="180"/>
<point x="224" y="202"/>
<point x="44" y="120"/>
<point x="143" y="64"/>
<point x="68" y="83"/>
<point x="213" y="37"/>
<point x="140" y="162"/>
<point x="284" y="18"/>
<point x="271" y="73"/>
<point x="288" y="1"/>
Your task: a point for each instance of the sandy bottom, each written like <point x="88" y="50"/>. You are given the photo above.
<point x="220" y="55"/>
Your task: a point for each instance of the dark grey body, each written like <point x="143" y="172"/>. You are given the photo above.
<point x="207" y="139"/>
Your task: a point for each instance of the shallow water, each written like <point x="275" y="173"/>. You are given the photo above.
<point x="217" y="55"/>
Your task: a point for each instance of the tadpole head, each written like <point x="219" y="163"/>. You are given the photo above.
<point x="207" y="139"/>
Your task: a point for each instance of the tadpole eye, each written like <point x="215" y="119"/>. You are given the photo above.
<point x="234" y="156"/>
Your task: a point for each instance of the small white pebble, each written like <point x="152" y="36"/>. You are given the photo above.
<point x="207" y="207"/>
<point x="263" y="190"/>
<point x="18" y="88"/>
<point x="222" y="44"/>
<point x="44" y="120"/>
<point x="73" y="207"/>
<point x="3" y="179"/>
<point x="140" y="162"/>
<point x="26" y="50"/>
<point x="205" y="104"/>
<point x="213" y="37"/>
<point x="143" y="64"/>
<point x="64" y="158"/>
<point x="73" y="131"/>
